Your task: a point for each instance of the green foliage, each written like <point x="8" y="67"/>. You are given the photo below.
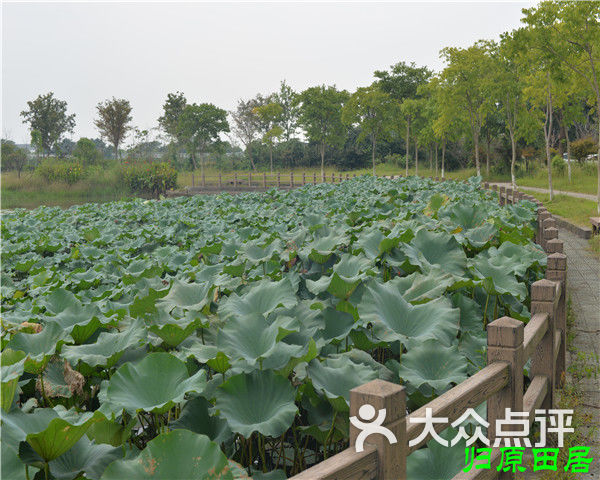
<point x="582" y="148"/>
<point x="47" y="117"/>
<point x="193" y="347"/>
<point x="559" y="165"/>
<point x="53" y="170"/>
<point x="150" y="178"/>
<point x="86" y="151"/>
<point x="113" y="122"/>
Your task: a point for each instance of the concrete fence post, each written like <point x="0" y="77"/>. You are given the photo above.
<point x="543" y="293"/>
<point x="557" y="272"/>
<point x="391" y="458"/>
<point x="505" y="344"/>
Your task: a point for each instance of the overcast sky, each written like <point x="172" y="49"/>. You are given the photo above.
<point x="218" y="53"/>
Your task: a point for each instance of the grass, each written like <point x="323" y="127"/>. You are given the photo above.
<point x="576" y="210"/>
<point x="582" y="180"/>
<point x="30" y="191"/>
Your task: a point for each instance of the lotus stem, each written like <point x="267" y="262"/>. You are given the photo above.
<point x="261" y="449"/>
<point x="27" y="471"/>
<point x="485" y="310"/>
<point x="328" y="437"/>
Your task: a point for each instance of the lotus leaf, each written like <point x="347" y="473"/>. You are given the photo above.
<point x="154" y="384"/>
<point x="176" y="455"/>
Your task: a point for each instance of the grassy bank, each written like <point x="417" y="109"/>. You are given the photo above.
<point x="576" y="210"/>
<point x="30" y="191"/>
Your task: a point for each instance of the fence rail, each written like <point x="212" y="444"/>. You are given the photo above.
<point x="510" y="344"/>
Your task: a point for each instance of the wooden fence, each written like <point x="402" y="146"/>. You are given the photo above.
<point x="510" y="344"/>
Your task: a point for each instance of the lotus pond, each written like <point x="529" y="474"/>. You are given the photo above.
<point x="219" y="336"/>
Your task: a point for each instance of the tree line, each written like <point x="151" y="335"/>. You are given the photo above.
<point x="495" y="104"/>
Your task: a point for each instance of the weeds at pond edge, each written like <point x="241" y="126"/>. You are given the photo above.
<point x="583" y="365"/>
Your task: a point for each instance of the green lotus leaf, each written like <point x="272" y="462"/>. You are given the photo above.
<point x="474" y="349"/>
<point x="250" y="337"/>
<point x="195" y="416"/>
<point x="497" y="280"/>
<point x="336" y="378"/>
<point x="263" y="297"/>
<point x="465" y="215"/>
<point x="396" y="319"/>
<point x="418" y="288"/>
<point x="429" y="248"/>
<point x="369" y="242"/>
<point x="84" y="456"/>
<point x="111" y="432"/>
<point x="39" y="347"/>
<point x="50" y="432"/>
<point x="321" y="249"/>
<point x="108" y="347"/>
<point x="12" y="367"/>
<point x="437" y="461"/>
<point x="431" y="367"/>
<point x="12" y="466"/>
<point x="171" y="330"/>
<point x="189" y="296"/>
<point x="260" y="401"/>
<point x="176" y="455"/>
<point x="79" y="320"/>
<point x="336" y="325"/>
<point x="516" y="258"/>
<point x="471" y="313"/>
<point x="154" y="384"/>
<point x="257" y="254"/>
<point x="347" y="274"/>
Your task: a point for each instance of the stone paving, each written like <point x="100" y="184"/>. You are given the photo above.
<point x="583" y="287"/>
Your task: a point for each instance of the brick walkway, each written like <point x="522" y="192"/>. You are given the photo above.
<point x="583" y="287"/>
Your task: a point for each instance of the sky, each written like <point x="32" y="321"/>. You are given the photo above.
<point x="218" y="52"/>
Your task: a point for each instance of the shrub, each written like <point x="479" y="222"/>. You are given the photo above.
<point x="86" y="151"/>
<point x="558" y="165"/>
<point x="150" y="178"/>
<point x="583" y="147"/>
<point x="53" y="170"/>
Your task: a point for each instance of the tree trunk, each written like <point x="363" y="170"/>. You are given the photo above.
<point x="193" y="168"/>
<point x="407" y="142"/>
<point x="249" y="152"/>
<point x="443" y="156"/>
<point x="487" y="154"/>
<point x="513" y="159"/>
<point x="436" y="159"/>
<point x="598" y="157"/>
<point x="547" y="133"/>
<point x="323" y="161"/>
<point x="476" y="140"/>
<point x="271" y="156"/>
<point x="568" y="140"/>
<point x="373" y="153"/>
<point x="416" y="158"/>
<point x="116" y="151"/>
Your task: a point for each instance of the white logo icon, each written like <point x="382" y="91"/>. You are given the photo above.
<point x="367" y="412"/>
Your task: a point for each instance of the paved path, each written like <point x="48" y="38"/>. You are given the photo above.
<point x="586" y="196"/>
<point x="583" y="287"/>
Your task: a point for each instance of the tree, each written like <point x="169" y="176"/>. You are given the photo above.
<point x="583" y="147"/>
<point x="270" y="115"/>
<point x="402" y="83"/>
<point x="466" y="74"/>
<point x="373" y="111"/>
<point x="246" y="124"/>
<point x="48" y="117"/>
<point x="321" y="117"/>
<point x="289" y="111"/>
<point x="569" y="31"/>
<point x="199" y="127"/>
<point x="113" y="122"/>
<point x="172" y="110"/>
<point x="86" y="151"/>
<point x="13" y="157"/>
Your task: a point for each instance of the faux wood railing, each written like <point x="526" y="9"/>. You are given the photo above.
<point x="510" y="344"/>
